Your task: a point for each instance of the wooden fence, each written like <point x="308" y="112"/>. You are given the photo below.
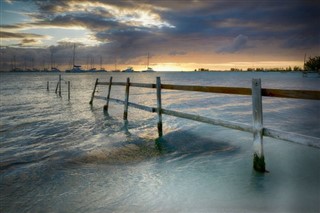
<point x="255" y="91"/>
<point x="58" y="87"/>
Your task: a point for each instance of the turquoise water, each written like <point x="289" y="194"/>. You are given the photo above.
<point x="65" y="156"/>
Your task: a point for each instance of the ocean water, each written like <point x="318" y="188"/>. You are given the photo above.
<point x="58" y="155"/>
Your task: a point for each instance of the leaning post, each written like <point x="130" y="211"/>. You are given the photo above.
<point x="68" y="90"/>
<point x="258" y="156"/>
<point x="60" y="85"/>
<point x="94" y="90"/>
<point x="126" y="103"/>
<point x="105" y="107"/>
<point x="57" y="87"/>
<point x="159" y="108"/>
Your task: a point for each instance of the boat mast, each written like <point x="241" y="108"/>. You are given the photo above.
<point x="100" y="62"/>
<point x="74" y="54"/>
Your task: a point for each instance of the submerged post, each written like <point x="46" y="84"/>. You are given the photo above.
<point x="47" y="85"/>
<point x="159" y="108"/>
<point x="60" y="85"/>
<point x="258" y="156"/>
<point x="68" y="90"/>
<point x="108" y="96"/>
<point x="125" y="113"/>
<point x="57" y="88"/>
<point x="94" y="90"/>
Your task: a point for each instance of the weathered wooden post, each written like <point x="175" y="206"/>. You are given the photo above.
<point x="47" y="85"/>
<point x="94" y="90"/>
<point x="68" y="90"/>
<point x="60" y="85"/>
<point x="105" y="107"/>
<point x="57" y="87"/>
<point x="126" y="103"/>
<point x="159" y="108"/>
<point x="258" y="156"/>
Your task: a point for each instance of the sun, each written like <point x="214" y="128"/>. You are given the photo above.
<point x="169" y="67"/>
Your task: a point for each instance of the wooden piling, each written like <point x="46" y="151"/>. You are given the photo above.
<point x="47" y="85"/>
<point x="125" y="112"/>
<point x="258" y="156"/>
<point x="159" y="107"/>
<point x="60" y="85"/>
<point x="68" y="90"/>
<point x="94" y="90"/>
<point x="108" y="96"/>
<point x="57" y="88"/>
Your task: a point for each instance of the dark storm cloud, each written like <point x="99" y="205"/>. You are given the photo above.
<point x="193" y="25"/>
<point x="239" y="43"/>
<point x="89" y="21"/>
<point x="4" y="34"/>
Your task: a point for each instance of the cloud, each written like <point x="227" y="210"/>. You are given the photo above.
<point x="130" y="29"/>
<point x="6" y="35"/>
<point x="239" y="43"/>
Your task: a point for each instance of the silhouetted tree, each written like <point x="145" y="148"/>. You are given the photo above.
<point x="313" y="64"/>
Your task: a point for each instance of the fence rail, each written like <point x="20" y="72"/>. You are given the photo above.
<point x="255" y="91"/>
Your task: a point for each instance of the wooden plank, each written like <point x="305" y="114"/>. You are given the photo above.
<point x="134" y="105"/>
<point x="131" y="84"/>
<point x="258" y="161"/>
<point x="119" y="83"/>
<point x="292" y="137"/>
<point x="94" y="90"/>
<point x="213" y="121"/>
<point x="143" y="85"/>
<point x="142" y="107"/>
<point x="103" y="83"/>
<point x="159" y="107"/>
<point x="125" y="111"/>
<point x="280" y="93"/>
<point x="299" y="94"/>
<point x="106" y="106"/>
<point x="225" y="90"/>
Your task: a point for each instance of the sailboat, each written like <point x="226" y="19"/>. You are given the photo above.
<point x="115" y="66"/>
<point x="101" y="68"/>
<point x="149" y="69"/>
<point x="53" y="67"/>
<point x="75" y="68"/>
<point x="129" y="69"/>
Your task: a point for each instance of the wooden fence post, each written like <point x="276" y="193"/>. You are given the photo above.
<point x="94" y="90"/>
<point x="159" y="108"/>
<point x="60" y="85"/>
<point x="258" y="156"/>
<point x="125" y="113"/>
<point x="68" y="90"/>
<point x="57" y="87"/>
<point x="105" y="107"/>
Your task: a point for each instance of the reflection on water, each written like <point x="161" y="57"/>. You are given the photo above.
<point x="67" y="156"/>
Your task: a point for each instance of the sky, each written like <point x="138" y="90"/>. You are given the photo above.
<point x="179" y="35"/>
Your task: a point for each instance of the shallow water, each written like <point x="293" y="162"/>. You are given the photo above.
<point x="65" y="156"/>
